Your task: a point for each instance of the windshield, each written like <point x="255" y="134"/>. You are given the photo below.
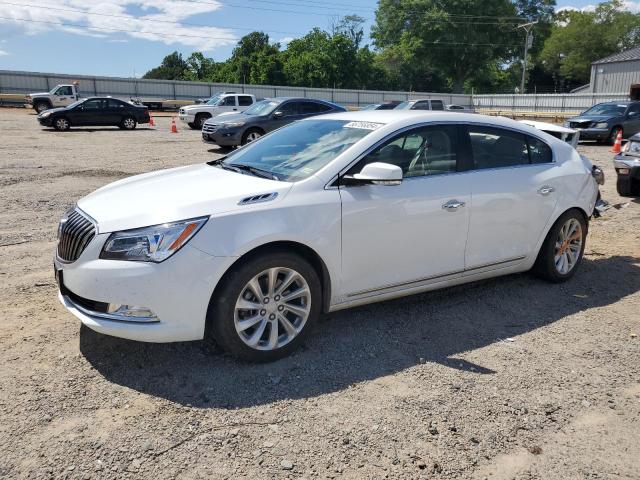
<point x="403" y="106"/>
<point x="302" y="148"/>
<point x="214" y="100"/>
<point x="606" y="109"/>
<point x="373" y="106"/>
<point x="263" y="107"/>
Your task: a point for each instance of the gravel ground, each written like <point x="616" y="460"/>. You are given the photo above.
<point x="507" y="378"/>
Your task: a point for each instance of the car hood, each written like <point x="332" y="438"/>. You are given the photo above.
<point x="197" y="107"/>
<point x="172" y="195"/>
<point x="236" y="117"/>
<point x="53" y="110"/>
<point x="39" y="94"/>
<point x="592" y="118"/>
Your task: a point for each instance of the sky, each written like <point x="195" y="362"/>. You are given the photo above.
<point x="128" y="37"/>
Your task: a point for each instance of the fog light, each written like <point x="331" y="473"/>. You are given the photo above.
<point x="623" y="171"/>
<point x="130" y="311"/>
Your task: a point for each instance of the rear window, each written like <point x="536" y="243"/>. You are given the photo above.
<point x="539" y="152"/>
<point x="437" y="105"/>
<point x="244" y="100"/>
<point x="498" y="148"/>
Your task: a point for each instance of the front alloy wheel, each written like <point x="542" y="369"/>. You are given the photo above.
<point x="61" y="124"/>
<point x="265" y="306"/>
<point x="272" y="308"/>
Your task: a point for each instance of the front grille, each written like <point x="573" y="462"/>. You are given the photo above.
<point x="75" y="233"/>
<point x="209" y="128"/>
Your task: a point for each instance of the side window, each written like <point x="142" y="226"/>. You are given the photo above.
<point x="437" y="105"/>
<point x="228" y="101"/>
<point x="313" y="107"/>
<point x="290" y="108"/>
<point x="66" y="90"/>
<point x="92" y="105"/>
<point x="245" y="100"/>
<point x="115" y="103"/>
<point x="539" y="152"/>
<point x="634" y="109"/>
<point x="496" y="148"/>
<point x="422" y="105"/>
<point x="418" y="152"/>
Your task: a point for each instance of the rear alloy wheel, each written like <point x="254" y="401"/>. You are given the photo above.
<point x="251" y="136"/>
<point x="61" y="124"/>
<point x="266" y="307"/>
<point x="129" y="123"/>
<point x="562" y="250"/>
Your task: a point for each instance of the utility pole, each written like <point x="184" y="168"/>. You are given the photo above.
<point x="528" y="41"/>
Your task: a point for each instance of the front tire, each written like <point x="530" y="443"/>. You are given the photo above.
<point x="61" y="124"/>
<point x="199" y="121"/>
<point x="562" y="250"/>
<point x="251" y="135"/>
<point x="40" y="107"/>
<point x="265" y="307"/>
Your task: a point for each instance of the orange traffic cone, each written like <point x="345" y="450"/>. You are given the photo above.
<point x="618" y="145"/>
<point x="151" y="122"/>
<point x="174" y="128"/>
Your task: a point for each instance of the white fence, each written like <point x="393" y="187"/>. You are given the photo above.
<point x="30" y="82"/>
<point x="557" y="103"/>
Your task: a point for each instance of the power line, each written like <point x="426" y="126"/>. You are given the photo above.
<point x="155" y="20"/>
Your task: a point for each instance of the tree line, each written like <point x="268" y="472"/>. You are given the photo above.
<point x="428" y="45"/>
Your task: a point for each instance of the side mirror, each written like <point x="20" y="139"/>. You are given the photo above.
<point x="278" y="114"/>
<point x="378" y="173"/>
<point x="632" y="114"/>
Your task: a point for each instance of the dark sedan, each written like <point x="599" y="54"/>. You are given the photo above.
<point x="262" y="117"/>
<point x="93" y="112"/>
<point x="604" y="121"/>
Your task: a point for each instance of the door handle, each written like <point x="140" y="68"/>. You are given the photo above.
<point x="546" y="190"/>
<point x="453" y="205"/>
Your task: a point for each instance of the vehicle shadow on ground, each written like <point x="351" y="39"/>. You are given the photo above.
<point x="365" y="343"/>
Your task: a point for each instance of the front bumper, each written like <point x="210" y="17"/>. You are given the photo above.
<point x="45" y="122"/>
<point x="627" y="166"/>
<point x="177" y="291"/>
<point x="187" y="118"/>
<point x="224" y="138"/>
<point x="593" y="133"/>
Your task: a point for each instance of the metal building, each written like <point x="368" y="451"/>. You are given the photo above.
<point x="617" y="73"/>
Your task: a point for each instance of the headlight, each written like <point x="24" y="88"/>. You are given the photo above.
<point x="601" y="125"/>
<point x="151" y="244"/>
<point x="234" y="124"/>
<point x="45" y="114"/>
<point x="632" y="147"/>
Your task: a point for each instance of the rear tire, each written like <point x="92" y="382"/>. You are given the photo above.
<point x="128" y="123"/>
<point x="227" y="312"/>
<point x="562" y="250"/>
<point x="61" y="124"/>
<point x="192" y="126"/>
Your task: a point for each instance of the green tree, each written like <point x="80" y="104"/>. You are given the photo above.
<point x="173" y="67"/>
<point x="200" y="68"/>
<point x="454" y="37"/>
<point x="255" y="60"/>
<point x="579" y="38"/>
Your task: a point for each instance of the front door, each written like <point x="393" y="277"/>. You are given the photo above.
<point x="63" y="96"/>
<point x="514" y="193"/>
<point x="89" y="113"/>
<point x="227" y="104"/>
<point x="403" y="236"/>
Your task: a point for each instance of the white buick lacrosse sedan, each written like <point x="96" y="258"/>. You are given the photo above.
<point x="324" y="214"/>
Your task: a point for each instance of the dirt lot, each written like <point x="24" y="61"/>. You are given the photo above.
<point x="508" y="378"/>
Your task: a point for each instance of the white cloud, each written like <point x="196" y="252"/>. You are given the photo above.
<point x="633" y="7"/>
<point x="3" y="53"/>
<point x="285" y="40"/>
<point x="161" y="20"/>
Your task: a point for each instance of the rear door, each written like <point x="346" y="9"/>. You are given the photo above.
<point x="115" y="112"/>
<point x="244" y="102"/>
<point x="632" y="120"/>
<point x="513" y="194"/>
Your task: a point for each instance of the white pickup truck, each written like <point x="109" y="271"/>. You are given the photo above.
<point x="225" y="102"/>
<point x="59" y="96"/>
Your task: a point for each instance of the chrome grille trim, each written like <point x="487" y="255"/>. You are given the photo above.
<point x="210" y="128"/>
<point x="75" y="233"/>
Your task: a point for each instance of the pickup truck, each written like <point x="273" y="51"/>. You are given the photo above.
<point x="224" y="102"/>
<point x="59" y="96"/>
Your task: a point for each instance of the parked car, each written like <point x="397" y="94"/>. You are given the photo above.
<point x="627" y="165"/>
<point x="603" y="121"/>
<point x="426" y="104"/>
<point x="382" y="106"/>
<point x="459" y="108"/>
<point x="196" y="115"/>
<point x="96" y="111"/>
<point x="261" y="118"/>
<point x="324" y="214"/>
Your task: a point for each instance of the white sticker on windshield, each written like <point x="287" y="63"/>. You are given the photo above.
<point x="363" y="125"/>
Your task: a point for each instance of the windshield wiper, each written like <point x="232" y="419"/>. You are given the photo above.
<point x="254" y="170"/>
